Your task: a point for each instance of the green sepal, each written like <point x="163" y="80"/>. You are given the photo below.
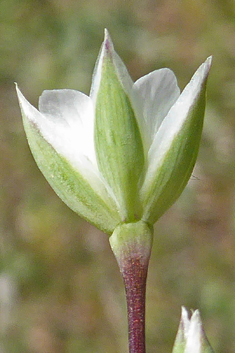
<point x="118" y="142"/>
<point x="176" y="167"/>
<point x="68" y="184"/>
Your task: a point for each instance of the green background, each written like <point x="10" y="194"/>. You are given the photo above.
<point x="60" y="288"/>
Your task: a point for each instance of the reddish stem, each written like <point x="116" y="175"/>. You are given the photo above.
<point x="131" y="244"/>
<point x="134" y="274"/>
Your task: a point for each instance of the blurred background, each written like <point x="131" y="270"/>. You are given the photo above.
<point x="60" y="288"/>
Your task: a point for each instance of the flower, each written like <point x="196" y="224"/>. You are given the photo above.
<point x="125" y="152"/>
<point x="191" y="337"/>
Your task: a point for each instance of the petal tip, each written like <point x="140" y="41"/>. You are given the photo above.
<point x="208" y="62"/>
<point x="184" y="312"/>
<point x="106" y="33"/>
<point x="107" y="44"/>
<point x="20" y="96"/>
<point x="196" y="317"/>
<point x="17" y="88"/>
<point x="206" y="66"/>
<point x="209" y="59"/>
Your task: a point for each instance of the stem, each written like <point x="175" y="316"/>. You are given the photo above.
<point x="131" y="244"/>
<point x="135" y="275"/>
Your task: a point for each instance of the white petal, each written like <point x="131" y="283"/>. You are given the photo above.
<point x="67" y="134"/>
<point x="154" y="95"/>
<point x="185" y="321"/>
<point x="177" y="115"/>
<point x="107" y="49"/>
<point x="182" y="331"/>
<point x="193" y="343"/>
<point x="61" y="125"/>
<point x="68" y="123"/>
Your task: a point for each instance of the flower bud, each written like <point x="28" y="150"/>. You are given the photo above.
<point x="191" y="337"/>
<point x="124" y="153"/>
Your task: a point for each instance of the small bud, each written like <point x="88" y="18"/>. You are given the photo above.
<point x="191" y="337"/>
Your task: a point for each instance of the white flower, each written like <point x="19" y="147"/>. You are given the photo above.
<point x="191" y="337"/>
<point x="125" y="152"/>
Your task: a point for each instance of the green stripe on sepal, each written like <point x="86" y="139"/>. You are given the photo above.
<point x="69" y="185"/>
<point x="118" y="142"/>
